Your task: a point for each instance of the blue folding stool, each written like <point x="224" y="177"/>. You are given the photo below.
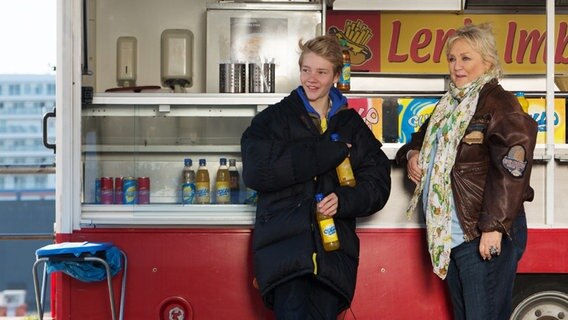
<point x="82" y="261"/>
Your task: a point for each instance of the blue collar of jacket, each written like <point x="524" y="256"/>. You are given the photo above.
<point x="338" y="100"/>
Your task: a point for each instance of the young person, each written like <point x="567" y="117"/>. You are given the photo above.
<point x="288" y="157"/>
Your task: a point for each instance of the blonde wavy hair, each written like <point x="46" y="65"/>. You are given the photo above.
<point x="481" y="38"/>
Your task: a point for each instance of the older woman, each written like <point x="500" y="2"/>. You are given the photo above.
<point x="472" y="164"/>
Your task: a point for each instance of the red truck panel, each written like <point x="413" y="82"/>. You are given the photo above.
<point x="209" y="273"/>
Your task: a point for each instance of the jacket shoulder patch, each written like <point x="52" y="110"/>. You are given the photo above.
<point x="515" y="161"/>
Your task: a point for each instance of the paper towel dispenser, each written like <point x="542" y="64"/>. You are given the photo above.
<point x="176" y="59"/>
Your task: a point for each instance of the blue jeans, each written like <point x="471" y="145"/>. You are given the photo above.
<point x="482" y="289"/>
<point x="305" y="298"/>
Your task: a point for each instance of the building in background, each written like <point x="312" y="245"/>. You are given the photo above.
<point x="27" y="205"/>
<point x="23" y="101"/>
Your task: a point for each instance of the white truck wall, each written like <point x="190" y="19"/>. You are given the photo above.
<point x="145" y="20"/>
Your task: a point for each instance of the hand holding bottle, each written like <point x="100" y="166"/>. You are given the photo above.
<point x="344" y="170"/>
<point x="328" y="232"/>
<point x="328" y="205"/>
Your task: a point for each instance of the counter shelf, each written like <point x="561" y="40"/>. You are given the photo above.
<point x="149" y="134"/>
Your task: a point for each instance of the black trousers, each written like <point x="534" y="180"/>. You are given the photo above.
<point x="305" y="298"/>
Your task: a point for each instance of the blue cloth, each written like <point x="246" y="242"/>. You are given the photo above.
<point x="74" y="248"/>
<point x="483" y="289"/>
<point x="86" y="271"/>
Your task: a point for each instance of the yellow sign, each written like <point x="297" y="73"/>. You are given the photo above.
<point x="371" y="110"/>
<point x="415" y="42"/>
<point x="537" y="110"/>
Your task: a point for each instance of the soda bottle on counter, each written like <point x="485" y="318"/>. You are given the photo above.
<point x="107" y="190"/>
<point x="98" y="191"/>
<point x="143" y="190"/>
<point x="188" y="182"/>
<point x="523" y="101"/>
<point x="344" y="83"/>
<point x="202" y="185"/>
<point x="223" y="183"/>
<point x="328" y="232"/>
<point x="251" y="197"/>
<point x="118" y="190"/>
<point x="344" y="170"/>
<point x="234" y="179"/>
<point x="130" y="188"/>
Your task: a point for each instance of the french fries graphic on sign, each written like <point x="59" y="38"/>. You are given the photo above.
<point x="357" y="34"/>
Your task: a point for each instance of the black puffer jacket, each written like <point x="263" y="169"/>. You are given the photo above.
<point x="287" y="161"/>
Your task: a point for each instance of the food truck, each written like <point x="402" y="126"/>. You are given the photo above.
<point x="143" y="85"/>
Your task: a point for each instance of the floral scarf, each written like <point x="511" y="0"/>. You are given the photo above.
<point x="447" y="126"/>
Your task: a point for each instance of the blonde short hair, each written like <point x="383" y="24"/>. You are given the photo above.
<point x="327" y="47"/>
<point x="480" y="37"/>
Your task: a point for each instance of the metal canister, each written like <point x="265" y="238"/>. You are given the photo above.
<point x="232" y="77"/>
<point x="143" y="190"/>
<point x="130" y="190"/>
<point x="119" y="190"/>
<point x="261" y="77"/>
<point x="107" y="194"/>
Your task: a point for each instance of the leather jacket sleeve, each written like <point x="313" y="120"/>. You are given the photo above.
<point x="415" y="143"/>
<point x="511" y="141"/>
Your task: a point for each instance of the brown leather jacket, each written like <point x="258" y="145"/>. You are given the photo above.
<point x="491" y="175"/>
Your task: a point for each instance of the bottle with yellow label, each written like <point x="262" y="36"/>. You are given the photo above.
<point x="188" y="183"/>
<point x="344" y="170"/>
<point x="344" y="83"/>
<point x="202" y="186"/>
<point x="223" y="183"/>
<point x="523" y="101"/>
<point x="328" y="232"/>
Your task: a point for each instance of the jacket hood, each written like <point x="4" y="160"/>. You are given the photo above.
<point x="338" y="100"/>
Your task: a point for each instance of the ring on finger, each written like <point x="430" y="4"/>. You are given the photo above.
<point x="493" y="251"/>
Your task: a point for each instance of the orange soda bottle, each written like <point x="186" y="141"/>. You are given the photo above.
<point x="344" y="170"/>
<point x="328" y="232"/>
<point x="223" y="183"/>
<point x="344" y="83"/>
<point x="202" y="186"/>
<point x="523" y="101"/>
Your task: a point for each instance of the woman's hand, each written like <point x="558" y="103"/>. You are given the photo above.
<point x="412" y="167"/>
<point x="328" y="205"/>
<point x="490" y="244"/>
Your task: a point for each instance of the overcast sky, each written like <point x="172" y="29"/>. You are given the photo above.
<point x="27" y="36"/>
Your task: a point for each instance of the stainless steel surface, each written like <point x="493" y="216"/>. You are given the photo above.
<point x="512" y="5"/>
<point x="262" y="5"/>
<point x="257" y="36"/>
<point x="232" y="78"/>
<point x="261" y="78"/>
